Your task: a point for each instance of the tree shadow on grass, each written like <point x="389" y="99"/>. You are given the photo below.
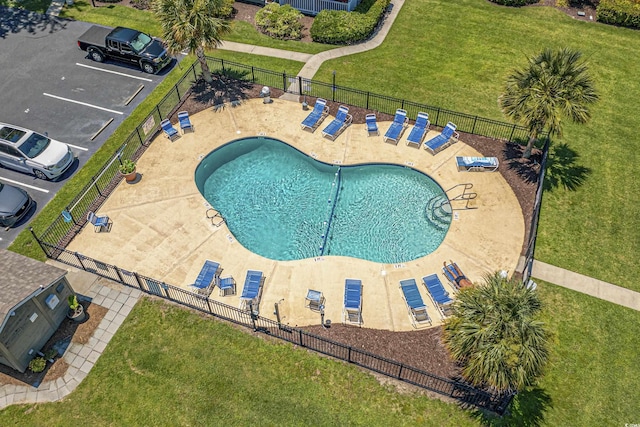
<point x="562" y="169"/>
<point x="527" y="409"/>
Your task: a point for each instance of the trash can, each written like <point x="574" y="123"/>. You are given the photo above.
<point x="265" y="93"/>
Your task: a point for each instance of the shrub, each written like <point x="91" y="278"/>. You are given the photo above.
<point x="51" y="354"/>
<point x="281" y="22"/>
<point x="141" y="4"/>
<point x="37" y="364"/>
<point x="339" y="27"/>
<point x="515" y="3"/>
<point x="625" y="13"/>
<point x="227" y="9"/>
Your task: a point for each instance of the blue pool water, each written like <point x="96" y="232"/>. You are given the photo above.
<point x="285" y="205"/>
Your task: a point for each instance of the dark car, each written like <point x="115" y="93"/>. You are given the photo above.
<point x="15" y="203"/>
<point x="126" y="45"/>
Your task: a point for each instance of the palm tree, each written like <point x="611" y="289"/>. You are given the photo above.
<point x="192" y="24"/>
<point x="495" y="335"/>
<point x="552" y="86"/>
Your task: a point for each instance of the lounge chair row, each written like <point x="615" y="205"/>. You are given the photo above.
<point x="448" y="136"/>
<point x="184" y="122"/>
<point x="209" y="277"/>
<point x="416" y="137"/>
<point x="441" y="299"/>
<point x="320" y="110"/>
<point x="352" y="307"/>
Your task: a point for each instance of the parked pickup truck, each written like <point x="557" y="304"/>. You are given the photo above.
<point x="125" y="44"/>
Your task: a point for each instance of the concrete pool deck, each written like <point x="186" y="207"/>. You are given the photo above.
<point x="160" y="227"/>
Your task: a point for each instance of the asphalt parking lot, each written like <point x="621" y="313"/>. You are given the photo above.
<point x="47" y="84"/>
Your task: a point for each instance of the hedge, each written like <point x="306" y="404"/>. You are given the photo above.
<point x="281" y="22"/>
<point x="340" y="27"/>
<point x="625" y="13"/>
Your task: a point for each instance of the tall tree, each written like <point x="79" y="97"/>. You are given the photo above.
<point x="495" y="334"/>
<point x="195" y="25"/>
<point x="552" y="86"/>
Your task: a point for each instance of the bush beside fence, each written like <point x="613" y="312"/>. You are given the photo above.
<point x="57" y="236"/>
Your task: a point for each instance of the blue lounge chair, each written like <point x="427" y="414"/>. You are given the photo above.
<point x="185" y="123"/>
<point x="442" y="141"/>
<point x="438" y="294"/>
<point x="372" y="125"/>
<point x="100" y="223"/>
<point x="169" y="131"/>
<point x="419" y="130"/>
<point x="455" y="276"/>
<point x="353" y="301"/>
<point x="252" y="290"/>
<point x="315" y="117"/>
<point x="207" y="278"/>
<point x="339" y="124"/>
<point x="394" y="133"/>
<point x="477" y="164"/>
<point x="417" y="308"/>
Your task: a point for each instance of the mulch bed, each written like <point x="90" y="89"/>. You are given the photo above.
<point x="421" y="349"/>
<point x="68" y="330"/>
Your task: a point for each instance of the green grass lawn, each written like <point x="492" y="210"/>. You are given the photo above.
<point x="593" y="373"/>
<point x="170" y="367"/>
<point x="457" y="53"/>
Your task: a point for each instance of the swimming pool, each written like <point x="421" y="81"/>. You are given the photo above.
<point x="285" y="205"/>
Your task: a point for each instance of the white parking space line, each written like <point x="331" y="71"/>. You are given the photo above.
<point x="79" y="148"/>
<point x="24" y="185"/>
<point x="82" y="103"/>
<point x="113" y="72"/>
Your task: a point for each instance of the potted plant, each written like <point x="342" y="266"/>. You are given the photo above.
<point x="37" y="364"/>
<point x="76" y="310"/>
<point x="128" y="170"/>
<point x="50" y="354"/>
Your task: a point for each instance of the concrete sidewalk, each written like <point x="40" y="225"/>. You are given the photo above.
<point x="313" y="62"/>
<point x="586" y="285"/>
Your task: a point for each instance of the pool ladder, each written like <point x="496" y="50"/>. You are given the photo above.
<point x="465" y="196"/>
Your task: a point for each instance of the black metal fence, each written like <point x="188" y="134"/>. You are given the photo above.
<point x="463" y="392"/>
<point x="466" y="123"/>
<point x="57" y="236"/>
<point x="533" y="230"/>
<point x="95" y="192"/>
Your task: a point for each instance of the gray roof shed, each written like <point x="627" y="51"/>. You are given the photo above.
<point x="20" y="277"/>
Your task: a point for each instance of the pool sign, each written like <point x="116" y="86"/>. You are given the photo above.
<point x="149" y="125"/>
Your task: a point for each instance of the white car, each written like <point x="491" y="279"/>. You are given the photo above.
<point x="27" y="151"/>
